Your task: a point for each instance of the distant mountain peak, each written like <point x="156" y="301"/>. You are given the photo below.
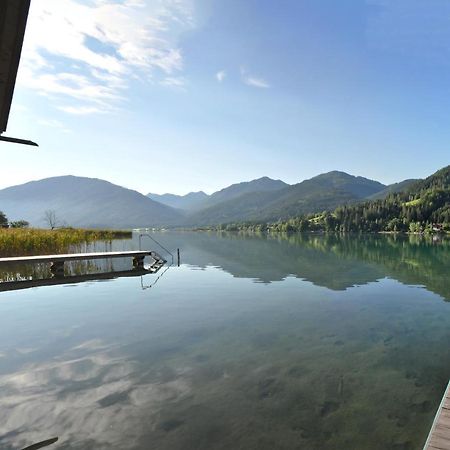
<point x="188" y="202"/>
<point x="84" y="202"/>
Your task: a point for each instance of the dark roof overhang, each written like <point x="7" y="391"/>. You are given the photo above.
<point x="13" y="20"/>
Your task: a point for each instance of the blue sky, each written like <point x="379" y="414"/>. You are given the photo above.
<point x="183" y="95"/>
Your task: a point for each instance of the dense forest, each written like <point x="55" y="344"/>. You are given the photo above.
<point x="423" y="208"/>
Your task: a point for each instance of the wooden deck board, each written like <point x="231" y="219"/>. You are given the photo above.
<point x="73" y="257"/>
<point x="439" y="437"/>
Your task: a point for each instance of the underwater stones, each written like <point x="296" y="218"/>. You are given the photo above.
<point x="402" y="422"/>
<point x="328" y="407"/>
<point x="328" y="336"/>
<point x="407" y="445"/>
<point x="268" y="387"/>
<point x="265" y="340"/>
<point x="399" y="418"/>
<point x="327" y="435"/>
<point x="296" y="371"/>
<point x="201" y="358"/>
<point x="112" y="399"/>
<point x="210" y="373"/>
<point x="305" y="434"/>
<point x="422" y="407"/>
<point x="170" y="424"/>
<point x="410" y="375"/>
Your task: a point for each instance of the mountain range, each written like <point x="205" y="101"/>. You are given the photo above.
<point x="84" y="202"/>
<point x="88" y="202"/>
<point x="188" y="202"/>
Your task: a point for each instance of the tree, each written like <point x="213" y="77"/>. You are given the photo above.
<point x="3" y="220"/>
<point x="19" y="224"/>
<point x="50" y="218"/>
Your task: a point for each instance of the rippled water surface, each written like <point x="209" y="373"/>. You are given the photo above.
<point x="255" y="342"/>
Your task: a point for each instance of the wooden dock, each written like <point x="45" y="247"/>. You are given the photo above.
<point x="439" y="437"/>
<point x="57" y="261"/>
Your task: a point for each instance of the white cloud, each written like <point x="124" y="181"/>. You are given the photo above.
<point x="221" y="75"/>
<point x="84" y="56"/>
<point x="253" y="81"/>
<point x="83" y="110"/>
<point x="53" y="123"/>
<point x="174" y="82"/>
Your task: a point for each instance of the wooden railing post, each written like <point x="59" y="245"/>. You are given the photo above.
<point x="138" y="261"/>
<point x="57" y="268"/>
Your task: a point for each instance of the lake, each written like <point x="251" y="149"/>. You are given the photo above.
<point x="254" y="342"/>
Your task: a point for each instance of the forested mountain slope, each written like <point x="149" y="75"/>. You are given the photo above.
<point x="422" y="207"/>
<point x="325" y="191"/>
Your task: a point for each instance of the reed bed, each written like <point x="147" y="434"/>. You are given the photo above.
<point x="32" y="241"/>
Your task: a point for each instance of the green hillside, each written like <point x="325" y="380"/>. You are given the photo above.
<point x="260" y="185"/>
<point x="423" y="207"/>
<point x="325" y="191"/>
<point x="393" y="189"/>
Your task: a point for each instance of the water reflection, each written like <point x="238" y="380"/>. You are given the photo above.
<point x="42" y="444"/>
<point x="326" y="351"/>
<point x="332" y="261"/>
<point x="15" y="276"/>
<point x="96" y="275"/>
<point x="89" y="392"/>
<point x="335" y="262"/>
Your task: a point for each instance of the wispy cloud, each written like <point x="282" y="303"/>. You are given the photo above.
<point x="83" y="55"/>
<point x="256" y="82"/>
<point x="174" y="82"/>
<point x="83" y="110"/>
<point x="53" y="123"/>
<point x="251" y="80"/>
<point x="221" y="75"/>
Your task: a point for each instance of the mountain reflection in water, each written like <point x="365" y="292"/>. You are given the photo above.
<point x="313" y="342"/>
<point x="333" y="261"/>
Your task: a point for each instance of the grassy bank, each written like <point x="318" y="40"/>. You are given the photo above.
<point x="29" y="241"/>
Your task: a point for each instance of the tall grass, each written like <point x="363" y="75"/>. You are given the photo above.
<point x="32" y="241"/>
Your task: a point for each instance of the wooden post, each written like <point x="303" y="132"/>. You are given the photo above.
<point x="57" y="268"/>
<point x="178" y="255"/>
<point x="138" y="262"/>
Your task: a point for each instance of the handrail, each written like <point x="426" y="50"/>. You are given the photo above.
<point x="156" y="242"/>
<point x="144" y="287"/>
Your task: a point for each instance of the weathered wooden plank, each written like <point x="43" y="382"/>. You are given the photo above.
<point x="439" y="437"/>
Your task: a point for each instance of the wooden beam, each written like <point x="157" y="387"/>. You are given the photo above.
<point x="78" y="257"/>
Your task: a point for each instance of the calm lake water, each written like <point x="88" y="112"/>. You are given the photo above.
<point x="300" y="342"/>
